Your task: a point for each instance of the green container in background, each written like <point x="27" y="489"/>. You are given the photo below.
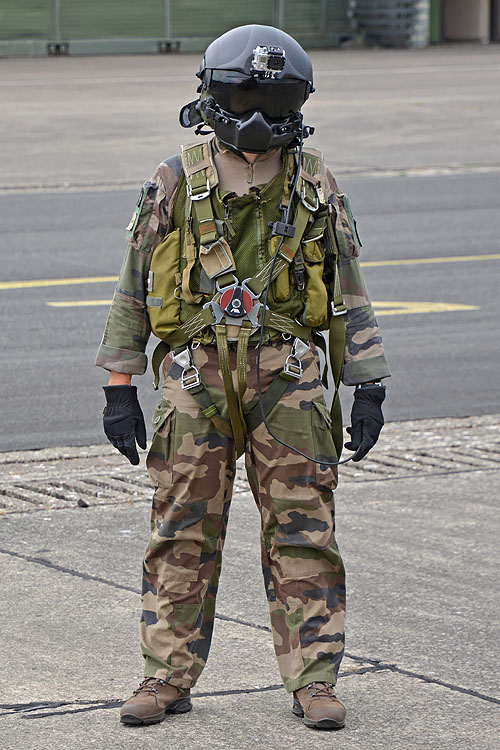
<point x="436" y="21"/>
<point x="38" y="27"/>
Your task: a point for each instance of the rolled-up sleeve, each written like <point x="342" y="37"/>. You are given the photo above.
<point x="364" y="357"/>
<point x="127" y="330"/>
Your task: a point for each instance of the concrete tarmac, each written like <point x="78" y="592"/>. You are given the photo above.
<point x="417" y="520"/>
<point x="417" y="526"/>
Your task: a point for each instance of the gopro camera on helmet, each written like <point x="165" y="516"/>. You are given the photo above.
<point x="267" y="61"/>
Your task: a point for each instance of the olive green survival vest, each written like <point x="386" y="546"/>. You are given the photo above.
<point x="220" y="240"/>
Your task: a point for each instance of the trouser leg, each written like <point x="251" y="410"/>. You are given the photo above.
<point x="192" y="467"/>
<point x="303" y="570"/>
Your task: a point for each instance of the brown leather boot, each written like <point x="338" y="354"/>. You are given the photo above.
<point x="318" y="706"/>
<point x="152" y="700"/>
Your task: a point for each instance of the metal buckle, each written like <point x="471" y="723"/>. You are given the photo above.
<point x="336" y="312"/>
<point x="300" y="348"/>
<point x="252" y="315"/>
<point x="198" y="196"/>
<point x="304" y="201"/>
<point x="293" y="365"/>
<point x="190" y="377"/>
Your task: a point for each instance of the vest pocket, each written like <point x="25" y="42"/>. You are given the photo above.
<point x="281" y="284"/>
<point x="162" y="304"/>
<point x="315" y="294"/>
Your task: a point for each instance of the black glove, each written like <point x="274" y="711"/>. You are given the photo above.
<point x="366" y="419"/>
<point x="123" y="420"/>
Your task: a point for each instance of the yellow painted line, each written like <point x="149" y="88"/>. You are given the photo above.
<point x="414" y="261"/>
<point x="56" y="282"/>
<point x="82" y="303"/>
<point x="416" y="308"/>
<point x="370" y="263"/>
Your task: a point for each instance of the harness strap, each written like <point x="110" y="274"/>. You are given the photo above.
<point x="269" y="399"/>
<point x="336" y="346"/>
<point x="205" y="318"/>
<point x="336" y="341"/>
<point x="233" y="406"/>
<point x="241" y="358"/>
<point x="202" y="398"/>
<point x="287" y="252"/>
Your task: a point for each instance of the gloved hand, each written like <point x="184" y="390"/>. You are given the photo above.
<point x="123" y="420"/>
<point x="366" y="419"/>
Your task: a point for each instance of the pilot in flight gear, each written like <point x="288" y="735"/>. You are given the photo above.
<point x="242" y="260"/>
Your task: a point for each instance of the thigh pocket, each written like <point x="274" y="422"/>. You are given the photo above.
<point x="161" y="454"/>
<point x="324" y="447"/>
<point x="304" y="535"/>
<point x="306" y="426"/>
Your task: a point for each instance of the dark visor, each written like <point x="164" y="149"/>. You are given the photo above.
<point x="276" y="98"/>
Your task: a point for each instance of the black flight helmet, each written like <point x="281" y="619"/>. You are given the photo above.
<point x="254" y="80"/>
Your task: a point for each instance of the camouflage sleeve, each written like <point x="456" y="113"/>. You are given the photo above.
<point x="364" y="358"/>
<point x="127" y="328"/>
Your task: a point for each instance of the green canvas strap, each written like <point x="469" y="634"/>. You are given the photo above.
<point x="205" y="318"/>
<point x="286" y="325"/>
<point x="233" y="406"/>
<point x="336" y="340"/>
<point x="336" y="346"/>
<point x="201" y="179"/>
<point x="241" y="357"/>
<point x="269" y="399"/>
<point x="286" y="254"/>
<point x="204" y="401"/>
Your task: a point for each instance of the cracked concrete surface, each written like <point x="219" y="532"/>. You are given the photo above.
<point x="420" y="551"/>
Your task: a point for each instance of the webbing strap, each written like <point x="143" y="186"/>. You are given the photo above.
<point x="231" y="400"/>
<point x="241" y="358"/>
<point x="258" y="283"/>
<point x="204" y="401"/>
<point x="286" y="325"/>
<point x="336" y="346"/>
<point x="204" y="318"/>
<point x="201" y="178"/>
<point x="189" y="253"/>
<point x="269" y="399"/>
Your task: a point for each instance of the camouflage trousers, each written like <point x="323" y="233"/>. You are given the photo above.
<point x="192" y="466"/>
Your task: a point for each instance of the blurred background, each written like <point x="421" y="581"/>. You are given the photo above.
<point x="406" y="110"/>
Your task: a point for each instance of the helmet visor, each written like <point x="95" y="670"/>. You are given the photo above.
<point x="275" y="97"/>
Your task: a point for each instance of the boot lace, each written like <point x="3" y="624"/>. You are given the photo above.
<point x="321" y="690"/>
<point x="148" y="685"/>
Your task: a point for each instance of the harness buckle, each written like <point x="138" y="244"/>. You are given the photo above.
<point x="293" y="366"/>
<point x="198" y="196"/>
<point x="190" y="377"/>
<point x="337" y="311"/>
<point x="237" y="303"/>
<point x="304" y="200"/>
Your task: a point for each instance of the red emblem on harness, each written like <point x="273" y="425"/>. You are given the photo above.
<point x="236" y="302"/>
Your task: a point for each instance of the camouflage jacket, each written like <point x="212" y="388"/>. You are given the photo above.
<point x="127" y="329"/>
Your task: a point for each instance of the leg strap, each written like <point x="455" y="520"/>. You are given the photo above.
<point x="199" y="391"/>
<point x="233" y="405"/>
<point x="291" y="371"/>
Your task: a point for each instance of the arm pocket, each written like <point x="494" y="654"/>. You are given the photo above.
<point x="346" y="231"/>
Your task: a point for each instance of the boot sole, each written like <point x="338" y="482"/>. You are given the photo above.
<point x="180" y="706"/>
<point x="326" y="723"/>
